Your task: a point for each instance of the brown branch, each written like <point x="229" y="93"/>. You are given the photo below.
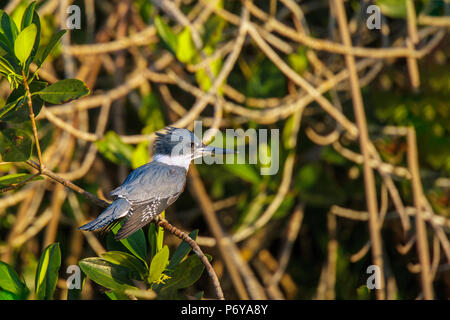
<point x="293" y="228"/>
<point x="68" y="184"/>
<point x="411" y="42"/>
<point x="369" y="179"/>
<point x="161" y="222"/>
<point x="421" y="231"/>
<point x="199" y="192"/>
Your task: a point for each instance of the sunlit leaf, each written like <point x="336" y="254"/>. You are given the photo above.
<point x="5" y="66"/>
<point x="47" y="272"/>
<point x="392" y="8"/>
<point x="158" y="264"/>
<point x="24" y="43"/>
<point x="140" y="155"/>
<point x="160" y="234"/>
<point x="185" y="49"/>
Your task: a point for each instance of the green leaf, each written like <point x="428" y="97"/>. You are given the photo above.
<point x="63" y="91"/>
<point x="5" y="45"/>
<point x="10" y="106"/>
<point x="185" y="274"/>
<point x="113" y="149"/>
<point x="11" y="284"/>
<point x="17" y="99"/>
<point x="106" y="274"/>
<point x="15" y="145"/>
<point x="117" y="295"/>
<point x="52" y="43"/>
<point x="27" y="17"/>
<point x="135" y="243"/>
<point x="140" y="155"/>
<point x="182" y="251"/>
<point x="37" y="22"/>
<point x="159" y="263"/>
<point x="392" y="8"/>
<point x="6" y="67"/>
<point x="214" y="30"/>
<point x="246" y="172"/>
<point x="166" y="34"/>
<point x="298" y="60"/>
<point x="15" y="178"/>
<point x="202" y="76"/>
<point x="9" y="28"/>
<point x="6" y="295"/>
<point x="150" y="113"/>
<point x="24" y="43"/>
<point x="47" y="272"/>
<point x="160" y="235"/>
<point x="185" y="49"/>
<point x="152" y="240"/>
<point x="125" y="260"/>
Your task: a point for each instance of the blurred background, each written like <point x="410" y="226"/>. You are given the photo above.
<point x="304" y="233"/>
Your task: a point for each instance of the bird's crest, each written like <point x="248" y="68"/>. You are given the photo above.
<point x="169" y="138"/>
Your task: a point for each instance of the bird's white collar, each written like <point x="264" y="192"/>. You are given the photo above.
<point x="179" y="161"/>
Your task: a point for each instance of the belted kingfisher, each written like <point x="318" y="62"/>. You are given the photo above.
<point x="151" y="188"/>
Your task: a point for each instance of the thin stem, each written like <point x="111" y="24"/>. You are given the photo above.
<point x="421" y="231"/>
<point x="68" y="184"/>
<point x="369" y="179"/>
<point x="33" y="121"/>
<point x="161" y="222"/>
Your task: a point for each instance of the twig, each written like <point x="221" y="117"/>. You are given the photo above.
<point x="411" y="43"/>
<point x="69" y="184"/>
<point x="208" y="210"/>
<point x="293" y="229"/>
<point x="422" y="240"/>
<point x="369" y="180"/>
<point x="33" y="121"/>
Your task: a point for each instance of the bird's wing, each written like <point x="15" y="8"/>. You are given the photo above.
<point x="150" y="189"/>
<point x="142" y="213"/>
<point x="151" y="181"/>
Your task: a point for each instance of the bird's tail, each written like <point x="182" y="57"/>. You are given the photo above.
<point x="118" y="209"/>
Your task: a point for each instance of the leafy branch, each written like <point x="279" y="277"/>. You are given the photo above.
<point x="21" y="49"/>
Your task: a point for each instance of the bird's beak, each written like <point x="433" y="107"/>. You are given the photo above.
<point x="215" y="150"/>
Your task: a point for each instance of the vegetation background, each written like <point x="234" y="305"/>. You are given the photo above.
<point x="364" y="149"/>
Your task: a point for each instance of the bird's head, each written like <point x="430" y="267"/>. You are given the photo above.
<point x="178" y="146"/>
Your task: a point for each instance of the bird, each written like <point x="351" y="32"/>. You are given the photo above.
<point x="151" y="188"/>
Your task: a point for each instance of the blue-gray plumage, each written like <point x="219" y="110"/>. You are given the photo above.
<point x="151" y="188"/>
